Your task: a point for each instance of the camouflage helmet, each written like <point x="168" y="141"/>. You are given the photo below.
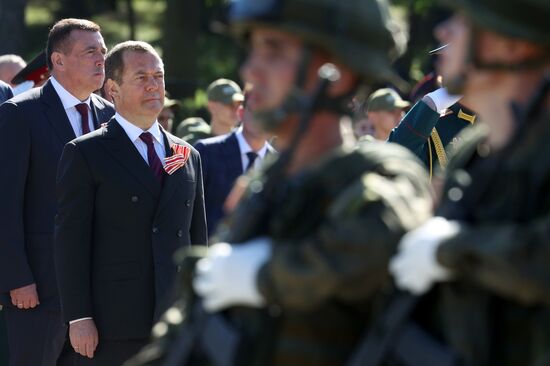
<point x="524" y="19"/>
<point x="358" y="33"/>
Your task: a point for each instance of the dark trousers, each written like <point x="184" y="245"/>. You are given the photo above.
<point x="35" y="336"/>
<point x="108" y="353"/>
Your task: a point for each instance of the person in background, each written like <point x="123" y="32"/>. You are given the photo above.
<point x="384" y="110"/>
<point x="10" y="65"/>
<point x="227" y="157"/>
<point x="37" y="124"/>
<point x="128" y="196"/>
<point x="430" y="129"/>
<point x="225" y="99"/>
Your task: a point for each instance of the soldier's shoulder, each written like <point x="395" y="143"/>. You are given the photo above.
<point x="387" y="154"/>
<point x="389" y="174"/>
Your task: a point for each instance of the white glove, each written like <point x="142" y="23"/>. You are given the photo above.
<point x="415" y="267"/>
<point x="228" y="275"/>
<point x="442" y="99"/>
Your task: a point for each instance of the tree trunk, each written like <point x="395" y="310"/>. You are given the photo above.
<point x="12" y="26"/>
<point x="131" y="19"/>
<point x="180" y="44"/>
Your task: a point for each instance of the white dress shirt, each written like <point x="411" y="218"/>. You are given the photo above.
<point x="245" y="148"/>
<point x="134" y="132"/>
<point x="69" y="102"/>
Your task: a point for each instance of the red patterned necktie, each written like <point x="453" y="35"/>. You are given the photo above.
<point x="152" y="157"/>
<point x="82" y="108"/>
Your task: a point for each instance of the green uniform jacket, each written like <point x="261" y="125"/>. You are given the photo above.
<point x="498" y="312"/>
<point x="431" y="136"/>
<point x="334" y="226"/>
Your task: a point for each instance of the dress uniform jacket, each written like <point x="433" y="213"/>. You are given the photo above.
<point x="429" y="135"/>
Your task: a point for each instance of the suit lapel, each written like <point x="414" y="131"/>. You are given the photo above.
<point x="97" y="121"/>
<point x="56" y="114"/>
<point x="125" y="153"/>
<point x="233" y="153"/>
<point x="170" y="181"/>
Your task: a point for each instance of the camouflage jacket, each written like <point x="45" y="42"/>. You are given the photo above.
<point x="334" y="227"/>
<point x="497" y="313"/>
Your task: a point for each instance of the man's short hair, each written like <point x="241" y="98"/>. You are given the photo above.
<point x="59" y="36"/>
<point x="114" y="63"/>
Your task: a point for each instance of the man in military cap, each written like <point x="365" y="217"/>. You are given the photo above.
<point x="431" y="127"/>
<point x="384" y="109"/>
<point x="225" y="98"/>
<point x="489" y="246"/>
<point x="297" y="263"/>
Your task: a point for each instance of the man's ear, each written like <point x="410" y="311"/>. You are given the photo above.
<point x="58" y="60"/>
<point x="112" y="88"/>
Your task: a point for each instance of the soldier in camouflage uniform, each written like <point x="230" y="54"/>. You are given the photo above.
<point x="490" y="244"/>
<point x="298" y="262"/>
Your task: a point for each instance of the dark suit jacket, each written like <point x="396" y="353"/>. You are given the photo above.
<point x="117" y="228"/>
<point x="35" y="128"/>
<point x="222" y="165"/>
<point x="5" y="92"/>
<point x="221" y="160"/>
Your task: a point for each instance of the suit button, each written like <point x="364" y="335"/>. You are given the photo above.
<point x="179" y="233"/>
<point x="187" y="203"/>
<point x="155" y="230"/>
<point x="135" y="199"/>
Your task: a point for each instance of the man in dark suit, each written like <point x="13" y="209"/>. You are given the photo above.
<point x="129" y="195"/>
<point x="224" y="159"/>
<point x="36" y="125"/>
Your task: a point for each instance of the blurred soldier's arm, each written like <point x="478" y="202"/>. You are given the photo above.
<point x="346" y="257"/>
<point x="509" y="258"/>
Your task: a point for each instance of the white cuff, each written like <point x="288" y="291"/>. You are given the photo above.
<point x="77" y="320"/>
<point x="442" y="99"/>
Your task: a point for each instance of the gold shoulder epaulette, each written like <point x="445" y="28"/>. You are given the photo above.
<point x="467" y="117"/>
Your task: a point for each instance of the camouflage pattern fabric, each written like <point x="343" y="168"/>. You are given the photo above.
<point x="334" y="228"/>
<point x="498" y="313"/>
